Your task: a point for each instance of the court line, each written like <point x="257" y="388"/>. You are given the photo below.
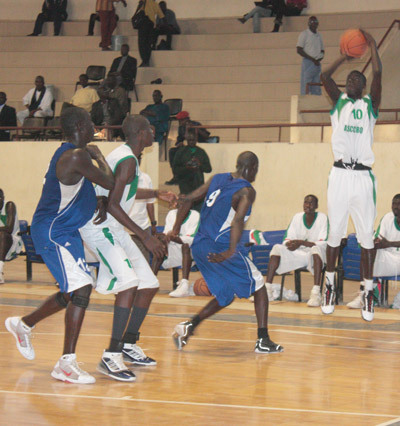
<point x="192" y="403"/>
<point x="393" y="422"/>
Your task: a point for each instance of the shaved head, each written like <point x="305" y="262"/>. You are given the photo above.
<point x="247" y="165"/>
<point x="133" y="124"/>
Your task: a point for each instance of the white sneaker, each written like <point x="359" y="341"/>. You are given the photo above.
<point x="22" y="334"/>
<point x="315" y="297"/>
<point x="328" y="301"/>
<point x="367" y="311"/>
<point x="134" y="354"/>
<point x="67" y="370"/>
<point x="269" y="291"/>
<point x="112" y="365"/>
<point x="2" y="278"/>
<point x="182" y="290"/>
<point x="357" y="303"/>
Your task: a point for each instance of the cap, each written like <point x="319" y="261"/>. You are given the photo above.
<point x="181" y="115"/>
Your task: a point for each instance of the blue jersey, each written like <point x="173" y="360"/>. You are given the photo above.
<point x="62" y="209"/>
<point x="217" y="213"/>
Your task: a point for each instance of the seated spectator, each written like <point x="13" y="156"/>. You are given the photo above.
<point x="85" y="97"/>
<point x="158" y="115"/>
<point x="387" y="245"/>
<point x="38" y="101"/>
<point x="190" y="164"/>
<point x="179" y="254"/>
<point x="10" y="241"/>
<point x="111" y="89"/>
<point x="143" y="213"/>
<point x="166" y="26"/>
<point x="263" y="9"/>
<point x="304" y="246"/>
<point x="92" y="20"/>
<point x="282" y="8"/>
<point x="8" y="117"/>
<point x="203" y="136"/>
<point x="53" y="11"/>
<point x="124" y="68"/>
<point x="107" y="111"/>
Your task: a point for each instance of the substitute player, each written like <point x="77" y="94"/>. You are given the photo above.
<point x="222" y="261"/>
<point x="67" y="202"/>
<point x="352" y="185"/>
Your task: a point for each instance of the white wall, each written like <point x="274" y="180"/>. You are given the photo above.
<point x="81" y="9"/>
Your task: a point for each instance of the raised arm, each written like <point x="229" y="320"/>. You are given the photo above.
<point x="327" y="80"/>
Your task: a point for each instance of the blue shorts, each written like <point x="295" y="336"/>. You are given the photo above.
<point x="236" y="276"/>
<point x="65" y="261"/>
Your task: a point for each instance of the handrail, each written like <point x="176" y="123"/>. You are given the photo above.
<point x="310" y="111"/>
<point x="395" y="21"/>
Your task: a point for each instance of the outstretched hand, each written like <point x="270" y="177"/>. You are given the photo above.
<point x="167" y="196"/>
<point x="368" y="37"/>
<point x="219" y="257"/>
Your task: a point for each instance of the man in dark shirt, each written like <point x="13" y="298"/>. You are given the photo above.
<point x="52" y="10"/>
<point x="124" y="68"/>
<point x="158" y="115"/>
<point x="166" y="26"/>
<point x="8" y="117"/>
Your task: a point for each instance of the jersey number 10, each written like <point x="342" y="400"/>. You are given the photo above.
<point x="357" y="114"/>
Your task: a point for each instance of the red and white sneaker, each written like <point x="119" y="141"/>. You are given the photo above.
<point x="22" y="334"/>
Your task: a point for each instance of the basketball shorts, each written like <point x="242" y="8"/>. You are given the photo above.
<point x="15" y="248"/>
<point x="351" y="192"/>
<point x="67" y="263"/>
<point x="387" y="263"/>
<point x="300" y="258"/>
<point x="236" y="276"/>
<point x="122" y="264"/>
<point x="174" y="258"/>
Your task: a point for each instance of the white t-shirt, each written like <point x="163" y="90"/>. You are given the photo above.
<point x="189" y="226"/>
<point x="353" y="123"/>
<point x="317" y="233"/>
<point x="139" y="210"/>
<point x="311" y="43"/>
<point x="389" y="229"/>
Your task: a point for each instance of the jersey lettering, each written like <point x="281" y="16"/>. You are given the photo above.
<point x="83" y="265"/>
<point x="357" y="114"/>
<point x="212" y="198"/>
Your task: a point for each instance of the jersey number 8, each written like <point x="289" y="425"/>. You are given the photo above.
<point x="213" y="196"/>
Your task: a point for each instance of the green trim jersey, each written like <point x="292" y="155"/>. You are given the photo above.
<point x="353" y="123"/>
<point x="389" y="228"/>
<point x="116" y="157"/>
<point x="188" y="228"/>
<point x="17" y="240"/>
<point x="317" y="233"/>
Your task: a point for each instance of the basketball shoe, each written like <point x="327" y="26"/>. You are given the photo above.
<point x="183" y="289"/>
<point x="134" y="354"/>
<point x="266" y="346"/>
<point x="367" y="311"/>
<point x="357" y="302"/>
<point x="315" y="297"/>
<point x="67" y="370"/>
<point x="328" y="300"/>
<point x="22" y="334"/>
<point x="112" y="365"/>
<point x="181" y="334"/>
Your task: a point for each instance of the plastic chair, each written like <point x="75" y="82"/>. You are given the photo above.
<point x="175" y="106"/>
<point x="53" y="133"/>
<point x="35" y="135"/>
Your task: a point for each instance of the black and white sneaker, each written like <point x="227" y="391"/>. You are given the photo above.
<point x="134" y="354"/>
<point x="266" y="346"/>
<point x="181" y="334"/>
<point x="367" y="311"/>
<point x="112" y="365"/>
<point x="328" y="300"/>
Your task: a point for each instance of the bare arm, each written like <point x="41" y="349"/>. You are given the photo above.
<point x="11" y="213"/>
<point x="301" y="52"/>
<point x="327" y="80"/>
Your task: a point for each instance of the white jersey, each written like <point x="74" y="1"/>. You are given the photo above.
<point x="17" y="240"/>
<point x="389" y="228"/>
<point x="316" y="233"/>
<point x="353" y="124"/>
<point x="188" y="228"/>
<point x="139" y="210"/>
<point x="113" y="159"/>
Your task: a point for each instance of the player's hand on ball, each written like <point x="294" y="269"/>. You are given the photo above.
<point x="219" y="257"/>
<point x="368" y="37"/>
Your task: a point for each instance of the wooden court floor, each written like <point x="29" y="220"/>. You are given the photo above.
<point x="335" y="369"/>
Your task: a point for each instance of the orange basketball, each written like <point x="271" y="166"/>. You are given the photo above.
<point x="353" y="43"/>
<point x="200" y="288"/>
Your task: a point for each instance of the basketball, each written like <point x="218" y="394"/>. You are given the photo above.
<point x="200" y="288"/>
<point x="353" y="43"/>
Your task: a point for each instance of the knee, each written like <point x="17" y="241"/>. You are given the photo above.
<point x="185" y="249"/>
<point x="276" y="250"/>
<point x="62" y="299"/>
<point x="80" y="298"/>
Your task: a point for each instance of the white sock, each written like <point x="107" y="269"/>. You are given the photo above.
<point x="268" y="285"/>
<point x="1" y="266"/>
<point x="69" y="357"/>
<point x="369" y="285"/>
<point x="330" y="278"/>
<point x="315" y="288"/>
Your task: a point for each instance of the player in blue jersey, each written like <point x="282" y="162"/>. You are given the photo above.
<point x="67" y="202"/>
<point x="222" y="261"/>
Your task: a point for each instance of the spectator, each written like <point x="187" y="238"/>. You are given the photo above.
<point x="92" y="20"/>
<point x="143" y="213"/>
<point x="145" y="31"/>
<point x="8" y="117"/>
<point x="124" y="68"/>
<point x="287" y="8"/>
<point x="190" y="164"/>
<point x="387" y="244"/>
<point x="107" y="112"/>
<point x="263" y="9"/>
<point x="158" y="115"/>
<point x="85" y="97"/>
<point x="52" y="10"/>
<point x="304" y="246"/>
<point x="38" y="101"/>
<point x="311" y="48"/>
<point x="10" y="241"/>
<point x="108" y="21"/>
<point x="113" y="91"/>
<point x="166" y="26"/>
<point x="179" y="254"/>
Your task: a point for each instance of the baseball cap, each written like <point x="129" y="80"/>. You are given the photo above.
<point x="181" y="115"/>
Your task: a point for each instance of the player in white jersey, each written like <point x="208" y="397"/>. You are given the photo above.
<point x="387" y="245"/>
<point x="179" y="253"/>
<point x="304" y="246"/>
<point x="10" y="241"/>
<point x="123" y="269"/>
<point x="351" y="186"/>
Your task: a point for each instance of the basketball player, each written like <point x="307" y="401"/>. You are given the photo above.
<point x="222" y="261"/>
<point x="67" y="202"/>
<point x="351" y="185"/>
<point x="124" y="270"/>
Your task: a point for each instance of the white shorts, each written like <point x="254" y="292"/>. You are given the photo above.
<point x="387" y="263"/>
<point x="174" y="259"/>
<point x="122" y="264"/>
<point x="300" y="258"/>
<point x="15" y="248"/>
<point x="351" y="192"/>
